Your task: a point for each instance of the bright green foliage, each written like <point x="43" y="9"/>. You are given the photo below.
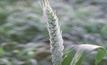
<point x="78" y="54"/>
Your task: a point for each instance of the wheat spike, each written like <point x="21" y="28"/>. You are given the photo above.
<point x="56" y="41"/>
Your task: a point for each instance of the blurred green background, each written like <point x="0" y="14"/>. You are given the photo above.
<point x="24" y="37"/>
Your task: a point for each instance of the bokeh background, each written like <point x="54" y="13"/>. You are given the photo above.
<point x="24" y="38"/>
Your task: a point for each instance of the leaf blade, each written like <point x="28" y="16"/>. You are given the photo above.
<point x="79" y="53"/>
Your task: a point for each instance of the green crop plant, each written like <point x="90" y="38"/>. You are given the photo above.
<point x="78" y="53"/>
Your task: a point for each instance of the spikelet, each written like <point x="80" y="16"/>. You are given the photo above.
<point x="56" y="41"/>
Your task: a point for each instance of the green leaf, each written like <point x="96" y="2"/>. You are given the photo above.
<point x="1" y="51"/>
<point x="77" y="55"/>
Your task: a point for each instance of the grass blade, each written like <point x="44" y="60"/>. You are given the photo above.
<point x="79" y="53"/>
